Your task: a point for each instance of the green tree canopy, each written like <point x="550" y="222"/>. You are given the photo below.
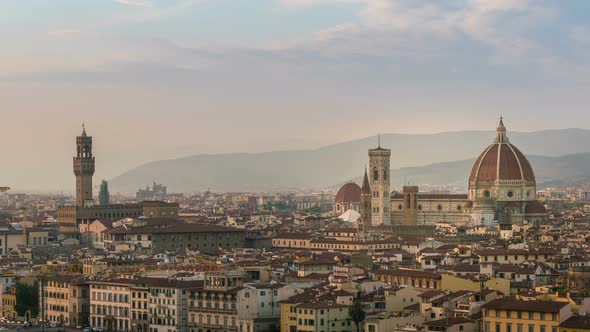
<point x="27" y="298"/>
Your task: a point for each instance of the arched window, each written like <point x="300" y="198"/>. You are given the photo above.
<point x="385" y="175"/>
<point x="375" y="174"/>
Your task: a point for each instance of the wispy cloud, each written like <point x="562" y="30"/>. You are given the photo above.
<point x="63" y="32"/>
<point x="171" y="9"/>
<point x="139" y="3"/>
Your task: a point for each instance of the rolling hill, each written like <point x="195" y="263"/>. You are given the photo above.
<point x="435" y="159"/>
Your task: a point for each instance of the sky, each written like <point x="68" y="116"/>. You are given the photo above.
<point x="158" y="79"/>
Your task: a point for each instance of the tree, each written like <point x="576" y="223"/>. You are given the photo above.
<point x="27" y="298"/>
<point x="357" y="314"/>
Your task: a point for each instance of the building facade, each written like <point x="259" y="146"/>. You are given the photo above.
<point x="110" y="305"/>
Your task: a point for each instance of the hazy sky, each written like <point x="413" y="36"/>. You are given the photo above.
<point x="165" y="78"/>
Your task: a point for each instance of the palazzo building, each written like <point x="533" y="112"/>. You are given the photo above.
<point x="86" y="211"/>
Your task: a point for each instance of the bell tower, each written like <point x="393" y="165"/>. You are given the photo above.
<point x="379" y="181"/>
<point x="84" y="169"/>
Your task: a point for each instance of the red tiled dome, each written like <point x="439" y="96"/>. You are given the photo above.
<point x="349" y="193"/>
<point x="501" y="161"/>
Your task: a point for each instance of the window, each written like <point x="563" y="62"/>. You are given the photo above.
<point x="542" y="328"/>
<point x="531" y="328"/>
<point x="542" y="316"/>
<point x="518" y="327"/>
<point x="519" y="315"/>
<point x="508" y="327"/>
<point x="375" y="174"/>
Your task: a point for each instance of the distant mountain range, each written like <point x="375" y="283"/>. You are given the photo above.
<point x="424" y="159"/>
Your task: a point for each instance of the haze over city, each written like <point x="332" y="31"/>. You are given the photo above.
<point x="166" y="79"/>
<point x="294" y="166"/>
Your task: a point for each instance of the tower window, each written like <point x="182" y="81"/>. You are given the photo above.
<point x="385" y="175"/>
<point x="375" y="174"/>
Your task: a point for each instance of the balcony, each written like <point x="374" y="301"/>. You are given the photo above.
<point x="214" y="310"/>
<point x="213" y="326"/>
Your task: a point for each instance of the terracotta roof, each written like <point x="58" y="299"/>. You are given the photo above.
<point x="413" y="307"/>
<point x="577" y="322"/>
<point x="170" y="283"/>
<point x="535" y="207"/>
<point x="430" y="294"/>
<point x="409" y="273"/>
<point x="446" y="322"/>
<point x="349" y="193"/>
<point x="517" y="305"/>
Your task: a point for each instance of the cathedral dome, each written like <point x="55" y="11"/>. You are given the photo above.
<point x="348" y="193"/>
<point x="501" y="161"/>
<point x="502" y="173"/>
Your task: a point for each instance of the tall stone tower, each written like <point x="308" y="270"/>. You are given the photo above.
<point x="365" y="221"/>
<point x="84" y="169"/>
<point x="380" y="183"/>
<point x="410" y="205"/>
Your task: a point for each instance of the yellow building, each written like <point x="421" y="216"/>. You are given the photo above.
<point x="288" y="309"/>
<point x="9" y="303"/>
<point x="323" y="316"/>
<point x="512" y="315"/>
<point x="66" y="300"/>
